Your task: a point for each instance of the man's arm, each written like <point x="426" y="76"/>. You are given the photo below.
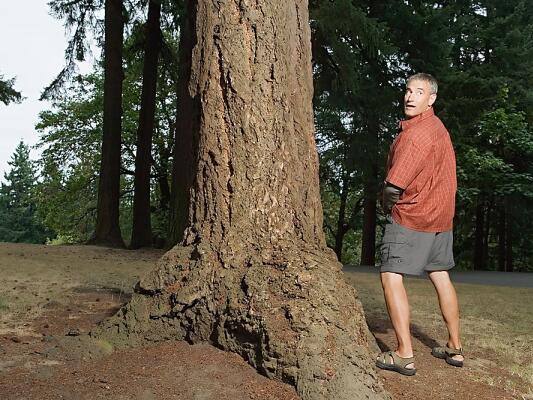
<point x="391" y="194"/>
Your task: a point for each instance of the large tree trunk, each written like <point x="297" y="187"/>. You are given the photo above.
<point x="141" y="235"/>
<point x="107" y="230"/>
<point x="253" y="274"/>
<point x="187" y="122"/>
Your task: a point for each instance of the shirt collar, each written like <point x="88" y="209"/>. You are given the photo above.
<point x="408" y="123"/>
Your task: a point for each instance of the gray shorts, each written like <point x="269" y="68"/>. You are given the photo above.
<point x="406" y="251"/>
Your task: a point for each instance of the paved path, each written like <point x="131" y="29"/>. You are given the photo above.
<point x="512" y="279"/>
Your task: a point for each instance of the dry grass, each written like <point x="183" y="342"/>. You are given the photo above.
<point x="496" y="323"/>
<point x="33" y="276"/>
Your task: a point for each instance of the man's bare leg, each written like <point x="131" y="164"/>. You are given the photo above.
<point x="449" y="307"/>
<point x="398" y="308"/>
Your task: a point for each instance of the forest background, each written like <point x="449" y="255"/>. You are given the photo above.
<point x="124" y="120"/>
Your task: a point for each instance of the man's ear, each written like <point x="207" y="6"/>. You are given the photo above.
<point x="432" y="98"/>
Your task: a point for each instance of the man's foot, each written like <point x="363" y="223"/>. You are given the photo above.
<point x="452" y="356"/>
<point x="391" y="361"/>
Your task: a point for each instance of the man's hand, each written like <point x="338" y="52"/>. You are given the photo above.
<point x="391" y="194"/>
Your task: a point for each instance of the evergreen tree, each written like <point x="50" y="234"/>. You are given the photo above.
<point x="356" y="70"/>
<point x="490" y="55"/>
<point x="107" y="229"/>
<point x="18" y="221"/>
<point x="81" y="18"/>
<point x="71" y="141"/>
<point x="7" y="93"/>
<point x="142" y="225"/>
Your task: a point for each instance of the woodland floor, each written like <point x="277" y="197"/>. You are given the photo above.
<point x="52" y="292"/>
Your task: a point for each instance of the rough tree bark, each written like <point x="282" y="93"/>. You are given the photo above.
<point x="141" y="235"/>
<point x="253" y="274"/>
<point x="107" y="230"/>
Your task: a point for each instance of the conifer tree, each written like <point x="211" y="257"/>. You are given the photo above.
<point x="18" y="221"/>
<point x="7" y="93"/>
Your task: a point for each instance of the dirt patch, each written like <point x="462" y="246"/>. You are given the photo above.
<point x="172" y="370"/>
<point x="60" y="361"/>
<point x="84" y="309"/>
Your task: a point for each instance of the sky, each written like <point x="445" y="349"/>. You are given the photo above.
<point x="32" y="50"/>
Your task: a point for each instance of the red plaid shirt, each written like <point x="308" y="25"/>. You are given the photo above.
<point x="422" y="162"/>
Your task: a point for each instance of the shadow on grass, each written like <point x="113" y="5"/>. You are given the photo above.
<point x="381" y="325"/>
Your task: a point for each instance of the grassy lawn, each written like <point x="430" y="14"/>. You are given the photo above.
<point x="496" y="323"/>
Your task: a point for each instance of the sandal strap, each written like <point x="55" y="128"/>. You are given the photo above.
<point x="386" y="358"/>
<point x="401" y="361"/>
<point x="454" y="352"/>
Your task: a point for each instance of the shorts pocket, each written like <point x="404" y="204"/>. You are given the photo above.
<point x="397" y="253"/>
<point x="395" y="246"/>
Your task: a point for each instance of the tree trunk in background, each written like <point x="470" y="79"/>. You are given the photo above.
<point x="370" y="190"/>
<point x="187" y="122"/>
<point x="486" y="237"/>
<point x="368" y="242"/>
<point x="164" y="190"/>
<point x="107" y="230"/>
<point x="509" y="267"/>
<point x="141" y="235"/>
<point x="341" y="220"/>
<point x="501" y="236"/>
<point x="253" y="274"/>
<point x="479" y="234"/>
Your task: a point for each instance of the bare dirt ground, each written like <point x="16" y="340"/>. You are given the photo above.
<point x="51" y="295"/>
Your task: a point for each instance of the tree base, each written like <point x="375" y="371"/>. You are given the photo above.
<point x="110" y="241"/>
<point x="291" y="315"/>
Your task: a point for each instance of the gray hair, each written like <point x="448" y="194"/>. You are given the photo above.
<point x="421" y="76"/>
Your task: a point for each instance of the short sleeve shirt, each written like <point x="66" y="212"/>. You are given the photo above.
<point x="422" y="162"/>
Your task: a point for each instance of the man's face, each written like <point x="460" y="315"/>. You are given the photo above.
<point x="418" y="98"/>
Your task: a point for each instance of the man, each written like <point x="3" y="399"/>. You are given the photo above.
<point x="419" y="200"/>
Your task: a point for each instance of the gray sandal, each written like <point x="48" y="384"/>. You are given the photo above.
<point x="446" y="353"/>
<point x="396" y="363"/>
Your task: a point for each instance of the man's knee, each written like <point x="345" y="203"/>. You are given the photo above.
<point x="440" y="277"/>
<point x="391" y="279"/>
